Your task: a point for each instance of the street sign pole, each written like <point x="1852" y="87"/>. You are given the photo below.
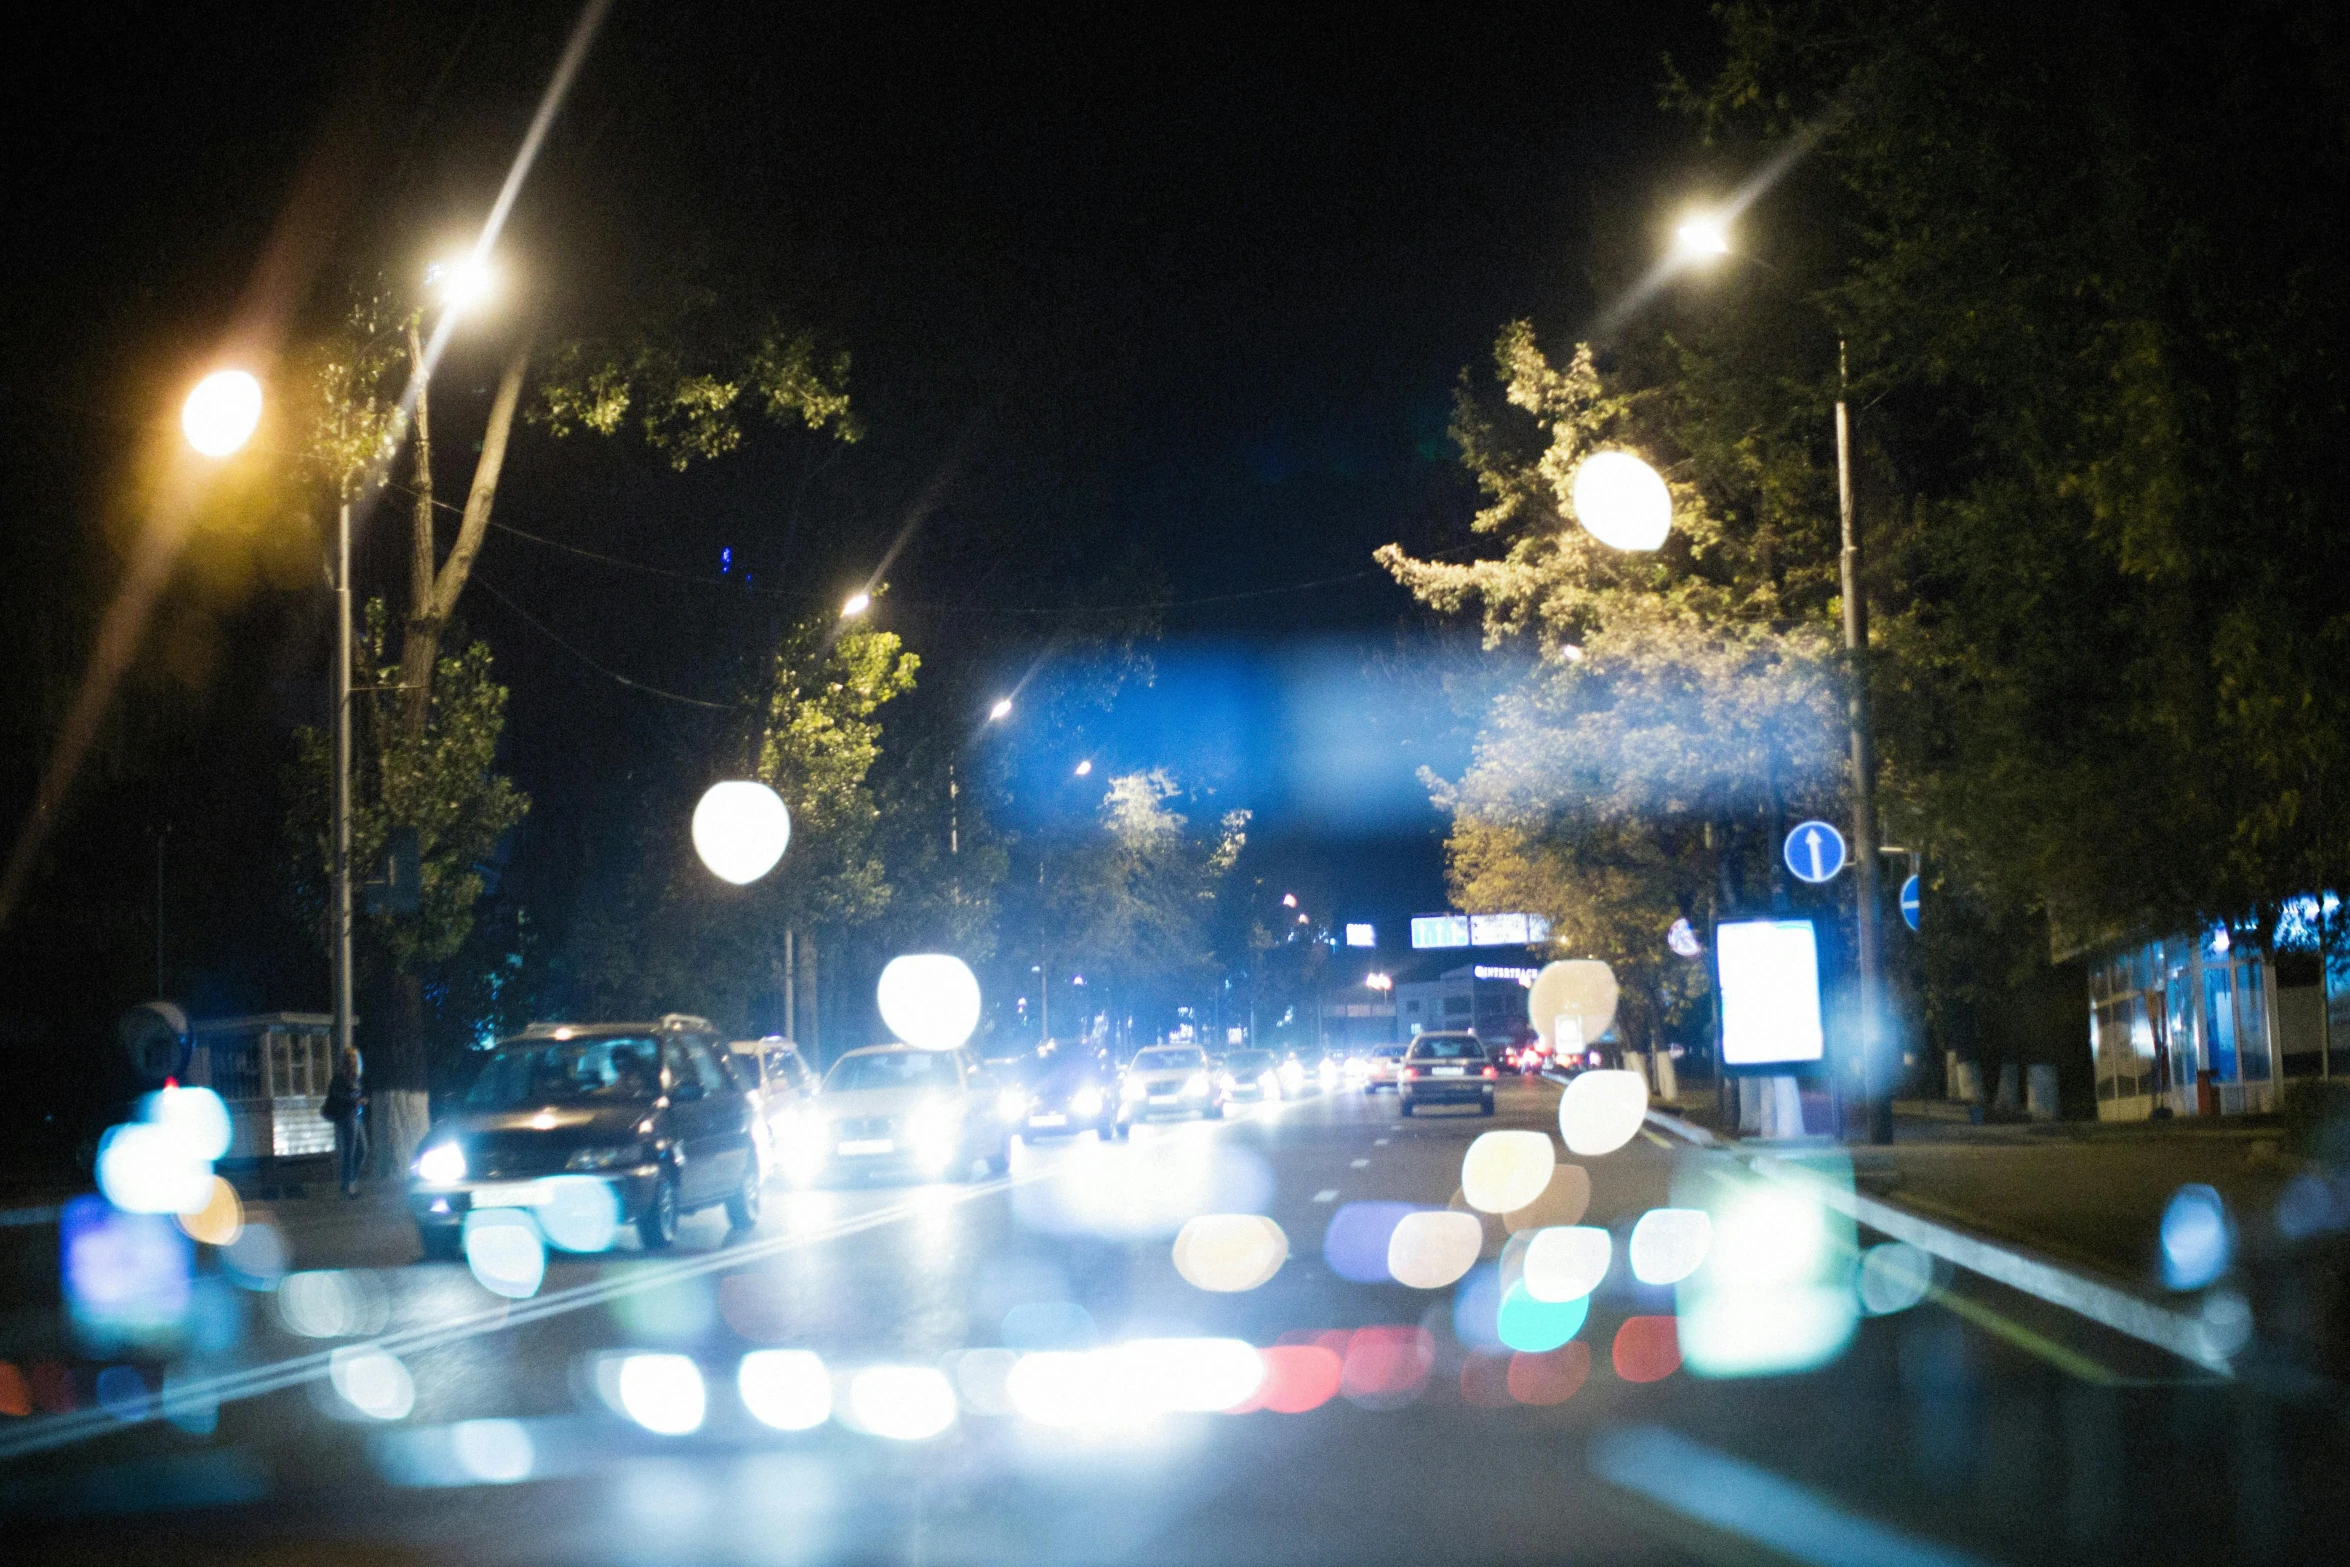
<point x="1876" y="1082"/>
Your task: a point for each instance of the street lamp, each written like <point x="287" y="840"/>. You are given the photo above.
<point x="1085" y="768"/>
<point x="1380" y="982"/>
<point x="1621" y="501"/>
<point x="1002" y="710"/>
<point x="1701" y="237"/>
<point x="463" y="283"/>
<point x="857" y="604"/>
<point x="221" y="413"/>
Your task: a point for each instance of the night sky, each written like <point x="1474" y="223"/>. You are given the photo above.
<point x="1158" y="308"/>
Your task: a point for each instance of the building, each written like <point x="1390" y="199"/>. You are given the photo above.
<point x="1488" y="998"/>
<point x="272" y="1069"/>
<point x="2212" y="1025"/>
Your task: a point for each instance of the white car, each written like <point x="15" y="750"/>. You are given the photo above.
<point x="896" y="1110"/>
<point x="1169" y="1080"/>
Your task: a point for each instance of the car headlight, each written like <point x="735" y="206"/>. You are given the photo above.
<point x="605" y="1158"/>
<point x="443" y="1164"/>
<point x="1011" y="1104"/>
<point x="1268" y="1082"/>
<point x="935" y="1128"/>
<point x="1132" y="1089"/>
<point x="1196" y="1085"/>
<point x="1086" y="1101"/>
<point x="1230" y="1082"/>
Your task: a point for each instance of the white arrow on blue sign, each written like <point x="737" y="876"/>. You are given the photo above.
<point x="1909" y="903"/>
<point x="1815" y="852"/>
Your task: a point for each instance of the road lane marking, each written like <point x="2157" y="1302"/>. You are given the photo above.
<point x="1326" y="1194"/>
<point x="1360" y="1164"/>
<point x="1378" y="1142"/>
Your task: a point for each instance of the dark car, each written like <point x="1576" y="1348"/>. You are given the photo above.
<point x="1252" y="1075"/>
<point x="1446" y="1069"/>
<point x="1068" y="1096"/>
<point x="646" y="1109"/>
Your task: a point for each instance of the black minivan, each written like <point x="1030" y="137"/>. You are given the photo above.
<point x="650" y="1110"/>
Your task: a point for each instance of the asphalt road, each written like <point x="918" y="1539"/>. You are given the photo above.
<point x="1977" y="1425"/>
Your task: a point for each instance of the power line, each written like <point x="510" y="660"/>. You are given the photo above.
<point x="610" y="674"/>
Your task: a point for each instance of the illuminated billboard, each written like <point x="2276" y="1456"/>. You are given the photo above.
<point x="1769" y="977"/>
<point x="1479" y="930"/>
<point x="1361" y="936"/>
<point x="1440" y="930"/>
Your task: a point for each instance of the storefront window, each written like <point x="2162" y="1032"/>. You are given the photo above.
<point x="2252" y="1020"/>
<point x="2219" y="1023"/>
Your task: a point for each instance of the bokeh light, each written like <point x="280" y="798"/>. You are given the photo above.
<point x="1563" y="1201"/>
<point x="331" y="1303"/>
<point x="1647" y="1349"/>
<point x="1775" y="1295"/>
<point x="1669" y="1244"/>
<point x="1552" y="1377"/>
<point x="1355" y="1243"/>
<point x="123" y="1393"/>
<point x="903" y="1403"/>
<point x="1505" y="1171"/>
<point x="220" y="1221"/>
<point x="1299" y="1377"/>
<point x="662" y="1392"/>
<point x="741" y="828"/>
<point x="128" y="1277"/>
<point x="1622" y="501"/>
<point x="1384" y="1367"/>
<point x="221" y="412"/>
<point x="929" y="999"/>
<point x="1533" y="1326"/>
<point x="1230" y="1252"/>
<point x="503" y="1248"/>
<point x="1601" y="1111"/>
<point x="1894" y="1276"/>
<point x="149" y="1167"/>
<point x="1432" y="1248"/>
<point x="789" y="1389"/>
<point x="372" y="1381"/>
<point x="1566" y="1262"/>
<point x="2197" y="1238"/>
<point x="198" y="1114"/>
<point x="1133" y="1190"/>
<point x="16" y="1394"/>
<point x="493" y="1452"/>
<point x="256" y="1259"/>
<point x="578" y="1213"/>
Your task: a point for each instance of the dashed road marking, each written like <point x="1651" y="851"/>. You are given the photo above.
<point x="1326" y="1194"/>
<point x="1360" y="1164"/>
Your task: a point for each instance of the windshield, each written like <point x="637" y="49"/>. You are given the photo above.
<point x="893" y="1069"/>
<point x="1248" y="1062"/>
<point x="1170" y="1061"/>
<point x="1440" y="1047"/>
<point x="567" y="1071"/>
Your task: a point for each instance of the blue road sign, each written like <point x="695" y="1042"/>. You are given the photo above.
<point x="1909" y="903"/>
<point x="1815" y="852"/>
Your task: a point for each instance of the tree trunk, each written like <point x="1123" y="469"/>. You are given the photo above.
<point x="803" y="1026"/>
<point x="398" y="1104"/>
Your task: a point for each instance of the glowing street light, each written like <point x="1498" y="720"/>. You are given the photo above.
<point x="463" y="284"/>
<point x="1701" y="237"/>
<point x="1289" y="900"/>
<point x="1381" y="982"/>
<point x="1622" y="502"/>
<point x="857" y="604"/>
<point x="221" y="413"/>
<point x="741" y="829"/>
<point x="1002" y="710"/>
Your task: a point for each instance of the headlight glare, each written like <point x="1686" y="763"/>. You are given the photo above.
<point x="1087" y="1101"/>
<point x="1196" y="1085"/>
<point x="443" y="1164"/>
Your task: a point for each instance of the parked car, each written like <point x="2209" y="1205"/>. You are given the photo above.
<point x="647" y="1110"/>
<point x="897" y="1110"/>
<point x="772" y="1069"/>
<point x="1446" y="1069"/>
<point x="1169" y="1080"/>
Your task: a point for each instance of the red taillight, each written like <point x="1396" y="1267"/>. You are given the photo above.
<point x="1493" y="1071"/>
<point x="1411" y="1072"/>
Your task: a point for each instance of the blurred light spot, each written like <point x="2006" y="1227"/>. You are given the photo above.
<point x="1386" y="1366"/>
<point x="1198" y="1375"/>
<point x="1893" y="1277"/>
<point x="1563" y="1201"/>
<point x="788" y="1389"/>
<point x="493" y="1452"/>
<point x="194" y="1410"/>
<point x="1550" y="1378"/>
<point x="1485" y="1380"/>
<point x="1601" y="1111"/>
<point x="1059" y="1387"/>
<point x="1137" y="1189"/>
<point x="1504" y="1171"/>
<point x="1566" y="1262"/>
<point x="147" y="1168"/>
<point x="1127" y="1384"/>
<point x="755" y="1304"/>
<point x="503" y="1249"/>
<point x="1048" y="1324"/>
<point x="1230" y="1252"/>
<point x="1647" y="1349"/>
<point x="1533" y="1326"/>
<point x="220" y="1221"/>
<point x="2197" y="1239"/>
<point x="1476" y="1309"/>
<point x="52" y="1387"/>
<point x="980" y="1375"/>
<point x="662" y="1393"/>
<point x="2225" y="1323"/>
<point x="331" y="1304"/>
<point x="578" y="1212"/>
<point x="2307" y="1207"/>
<point x="256" y="1259"/>
<point x="1669" y="1244"/>
<point x="1355" y="1244"/>
<point x="128" y="1276"/>
<point x="122" y="1393"/>
<point x="929" y="999"/>
<point x="1433" y="1248"/>
<point x="16" y="1394"/>
<point x="1299" y="1377"/>
<point x="668" y="1313"/>
<point x="1776" y="1295"/>
<point x="196" y="1114"/>
<point x="372" y="1381"/>
<point x="903" y="1403"/>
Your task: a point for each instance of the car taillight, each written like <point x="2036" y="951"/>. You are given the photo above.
<point x="1493" y="1071"/>
<point x="1411" y="1071"/>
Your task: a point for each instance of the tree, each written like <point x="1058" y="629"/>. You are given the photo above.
<point x="1676" y="707"/>
<point x="1134" y="901"/>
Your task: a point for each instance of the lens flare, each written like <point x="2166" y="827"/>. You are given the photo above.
<point x="2197" y="1238"/>
<point x="662" y="1393"/>
<point x="1669" y="1244"/>
<point x="1622" y="503"/>
<point x="503" y="1249"/>
<point x="221" y="413"/>
<point x="1566" y="1263"/>
<point x="1894" y="1276"/>
<point x="1563" y="1201"/>
<point x="903" y="1403"/>
<point x="493" y="1452"/>
<point x="741" y="828"/>
<point x="220" y="1221"/>
<point x="788" y="1389"/>
<point x="372" y="1381"/>
<point x="1602" y="1111"/>
<point x="1229" y="1253"/>
<point x="1431" y="1249"/>
<point x="929" y="999"/>
<point x="1504" y="1171"/>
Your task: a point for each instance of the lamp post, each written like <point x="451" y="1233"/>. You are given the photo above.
<point x="1702" y="238"/>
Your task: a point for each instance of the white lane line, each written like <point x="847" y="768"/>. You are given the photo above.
<point x="1381" y="1142"/>
<point x="1360" y="1164"/>
<point x="1326" y="1194"/>
<point x="1751" y="1503"/>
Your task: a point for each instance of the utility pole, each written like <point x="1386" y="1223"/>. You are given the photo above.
<point x="342" y="792"/>
<point x="1876" y="1086"/>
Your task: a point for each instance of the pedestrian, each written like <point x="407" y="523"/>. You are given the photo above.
<point x="346" y="1109"/>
